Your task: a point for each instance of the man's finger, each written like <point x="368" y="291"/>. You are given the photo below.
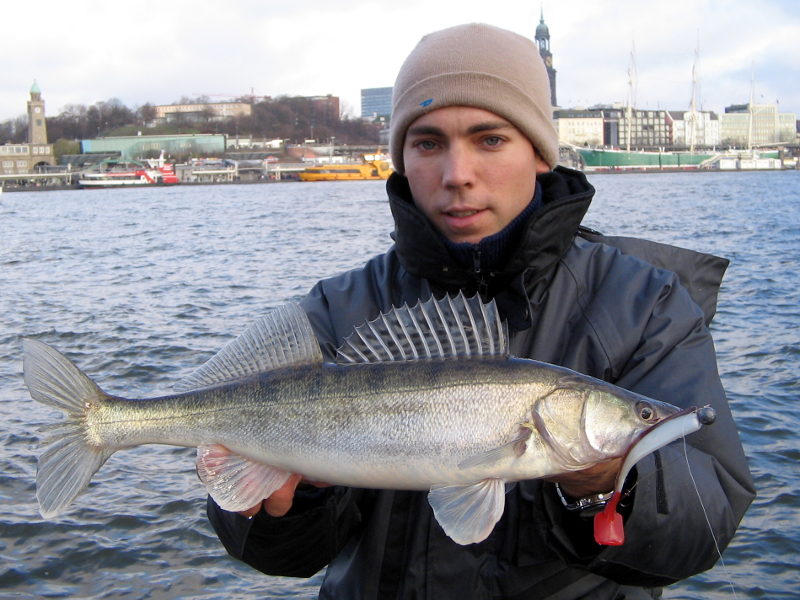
<point x="279" y="503"/>
<point x="251" y="512"/>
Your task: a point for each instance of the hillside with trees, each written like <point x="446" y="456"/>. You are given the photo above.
<point x="293" y="119"/>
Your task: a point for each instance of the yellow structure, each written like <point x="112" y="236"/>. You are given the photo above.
<point x="371" y="168"/>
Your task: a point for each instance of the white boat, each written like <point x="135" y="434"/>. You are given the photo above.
<point x="118" y="173"/>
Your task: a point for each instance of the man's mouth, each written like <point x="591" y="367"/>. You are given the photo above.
<point x="461" y="213"/>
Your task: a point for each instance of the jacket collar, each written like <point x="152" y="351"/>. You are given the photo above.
<point x="546" y="236"/>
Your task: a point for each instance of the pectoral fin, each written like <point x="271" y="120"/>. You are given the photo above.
<point x="514" y="449"/>
<point x="234" y="482"/>
<point x="468" y="513"/>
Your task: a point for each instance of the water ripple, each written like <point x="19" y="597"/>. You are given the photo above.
<point x="140" y="287"/>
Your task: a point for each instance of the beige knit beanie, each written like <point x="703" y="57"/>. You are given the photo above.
<point x="480" y="66"/>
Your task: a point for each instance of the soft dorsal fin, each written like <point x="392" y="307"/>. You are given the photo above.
<point x="280" y="338"/>
<point x="445" y="328"/>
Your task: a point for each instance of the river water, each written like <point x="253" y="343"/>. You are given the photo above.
<point x="141" y="286"/>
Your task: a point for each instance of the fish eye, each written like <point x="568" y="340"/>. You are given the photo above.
<point x="646" y="412"/>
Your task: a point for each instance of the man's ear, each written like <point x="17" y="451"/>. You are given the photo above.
<point x="541" y="166"/>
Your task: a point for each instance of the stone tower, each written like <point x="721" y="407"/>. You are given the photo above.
<point x="543" y="40"/>
<point x="37" y="126"/>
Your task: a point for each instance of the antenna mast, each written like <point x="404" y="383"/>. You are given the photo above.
<point x="631" y="97"/>
<point x="750" y="109"/>
<point x="693" y="103"/>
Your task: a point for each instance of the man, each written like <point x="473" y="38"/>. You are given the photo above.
<point x="480" y="206"/>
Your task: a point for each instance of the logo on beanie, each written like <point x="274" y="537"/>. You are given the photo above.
<point x="426" y="103"/>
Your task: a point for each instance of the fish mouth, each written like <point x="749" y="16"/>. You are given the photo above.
<point x="661" y="434"/>
<point x="666" y="420"/>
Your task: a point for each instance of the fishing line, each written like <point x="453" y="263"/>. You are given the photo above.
<point x="708" y="521"/>
<point x="725" y="570"/>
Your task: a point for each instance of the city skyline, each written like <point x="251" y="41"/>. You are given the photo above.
<point x="339" y="48"/>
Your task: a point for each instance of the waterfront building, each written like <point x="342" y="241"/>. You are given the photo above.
<point x="621" y="128"/>
<point x="134" y="147"/>
<point x="36" y="153"/>
<point x="37" y="124"/>
<point x="543" y="41"/>
<point x="704" y="133"/>
<point x="594" y="126"/>
<point x="747" y="125"/>
<point x="248" y="142"/>
<point x="579" y="127"/>
<point x="201" y="111"/>
<point x="645" y="129"/>
<point x="376" y="103"/>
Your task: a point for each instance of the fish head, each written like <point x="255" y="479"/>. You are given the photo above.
<point x="613" y="418"/>
<point x="585" y="422"/>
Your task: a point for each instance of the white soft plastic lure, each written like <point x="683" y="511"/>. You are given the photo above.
<point x="608" y="526"/>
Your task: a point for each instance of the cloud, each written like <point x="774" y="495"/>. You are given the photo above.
<point x="158" y="52"/>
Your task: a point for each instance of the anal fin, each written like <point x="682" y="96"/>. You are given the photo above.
<point x="468" y="513"/>
<point x="234" y="482"/>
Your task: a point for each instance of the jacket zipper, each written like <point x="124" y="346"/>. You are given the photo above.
<point x="483" y="286"/>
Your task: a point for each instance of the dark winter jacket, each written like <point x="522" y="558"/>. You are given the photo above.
<point x="601" y="306"/>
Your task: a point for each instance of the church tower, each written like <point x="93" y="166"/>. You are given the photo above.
<point x="543" y="41"/>
<point x="37" y="126"/>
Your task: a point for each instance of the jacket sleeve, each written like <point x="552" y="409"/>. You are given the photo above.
<point x="296" y="545"/>
<point x="689" y="496"/>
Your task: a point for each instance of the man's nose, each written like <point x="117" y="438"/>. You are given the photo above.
<point x="459" y="167"/>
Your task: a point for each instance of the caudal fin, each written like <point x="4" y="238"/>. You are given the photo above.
<point x="67" y="465"/>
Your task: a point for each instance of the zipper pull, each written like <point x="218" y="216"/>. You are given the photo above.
<point x="477" y="270"/>
<point x="476" y="262"/>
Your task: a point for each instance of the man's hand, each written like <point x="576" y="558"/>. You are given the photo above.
<point x="280" y="502"/>
<point x="598" y="479"/>
<point x="214" y="456"/>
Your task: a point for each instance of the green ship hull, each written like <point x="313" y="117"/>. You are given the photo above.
<point x="598" y="159"/>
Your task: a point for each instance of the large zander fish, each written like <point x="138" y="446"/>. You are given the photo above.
<point x="422" y="398"/>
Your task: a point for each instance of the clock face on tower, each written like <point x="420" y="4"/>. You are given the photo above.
<point x="37" y="109"/>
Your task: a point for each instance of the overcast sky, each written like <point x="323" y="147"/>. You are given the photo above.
<point x="86" y="51"/>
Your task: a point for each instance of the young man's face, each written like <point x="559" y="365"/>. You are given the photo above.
<point x="470" y="171"/>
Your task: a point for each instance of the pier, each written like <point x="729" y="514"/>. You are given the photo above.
<point x="32" y="181"/>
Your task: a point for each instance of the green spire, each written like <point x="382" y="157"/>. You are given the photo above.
<point x="35" y="88"/>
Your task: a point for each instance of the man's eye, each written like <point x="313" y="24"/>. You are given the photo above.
<point x="493" y="140"/>
<point x="425" y="145"/>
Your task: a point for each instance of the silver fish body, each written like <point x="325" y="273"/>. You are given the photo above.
<point x="402" y="425"/>
<point x="459" y="426"/>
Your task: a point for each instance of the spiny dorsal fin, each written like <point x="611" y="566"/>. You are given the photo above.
<point x="280" y="338"/>
<point x="449" y="327"/>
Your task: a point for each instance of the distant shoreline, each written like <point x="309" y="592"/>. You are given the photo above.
<point x="56" y="188"/>
<point x="645" y="171"/>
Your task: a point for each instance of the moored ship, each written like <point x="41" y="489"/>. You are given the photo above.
<point x="611" y="160"/>
<point x="117" y="173"/>
<point x="373" y="167"/>
<point x="607" y="159"/>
